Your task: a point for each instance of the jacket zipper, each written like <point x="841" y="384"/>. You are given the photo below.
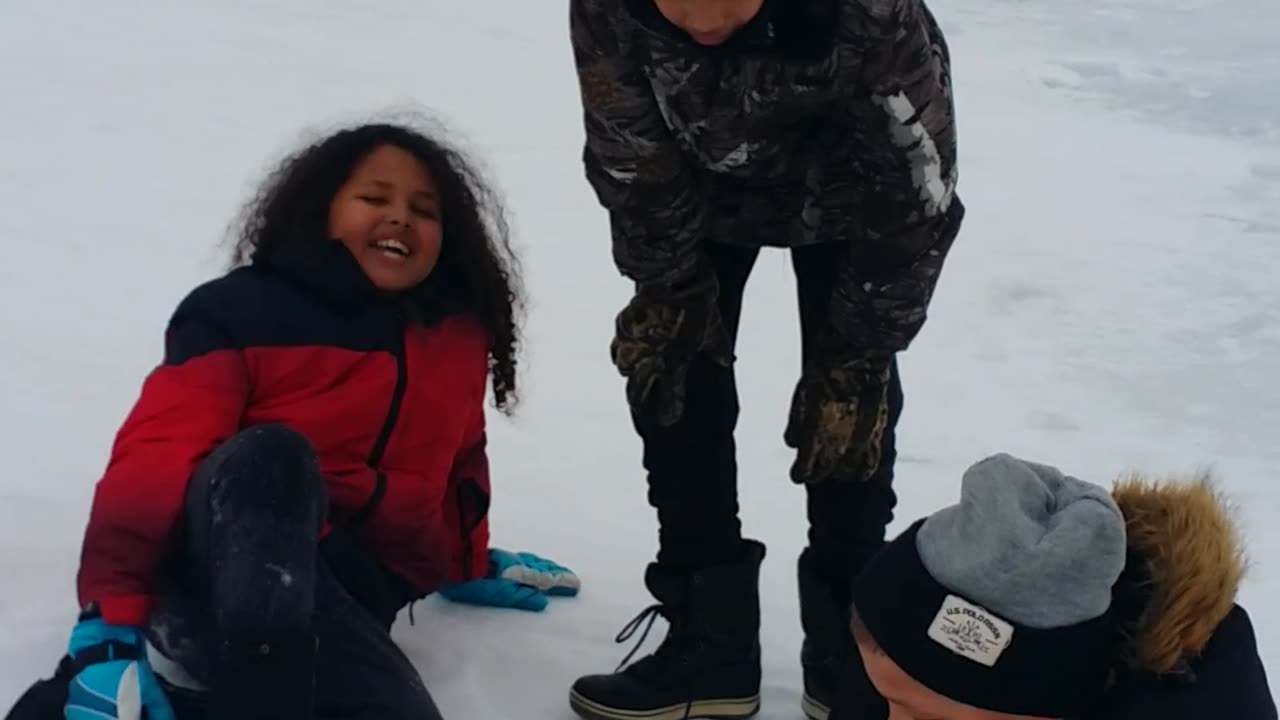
<point x="384" y="435"/>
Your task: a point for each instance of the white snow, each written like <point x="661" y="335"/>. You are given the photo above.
<point x="1111" y="304"/>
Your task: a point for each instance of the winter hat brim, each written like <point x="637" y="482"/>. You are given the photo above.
<point x="966" y="653"/>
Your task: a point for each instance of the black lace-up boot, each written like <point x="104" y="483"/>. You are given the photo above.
<point x="708" y="666"/>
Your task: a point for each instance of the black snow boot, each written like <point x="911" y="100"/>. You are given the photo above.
<point x="827" y="652"/>
<point x="835" y="685"/>
<point x="708" y="666"/>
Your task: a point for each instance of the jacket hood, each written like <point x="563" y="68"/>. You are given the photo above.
<point x="1190" y="563"/>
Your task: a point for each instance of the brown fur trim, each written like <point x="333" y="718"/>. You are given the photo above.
<point x="1195" y="563"/>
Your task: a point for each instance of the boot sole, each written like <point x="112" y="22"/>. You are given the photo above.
<point x="725" y="709"/>
<point x="813" y="709"/>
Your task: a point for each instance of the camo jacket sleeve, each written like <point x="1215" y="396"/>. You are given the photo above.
<point x="656" y="213"/>
<point x="903" y="152"/>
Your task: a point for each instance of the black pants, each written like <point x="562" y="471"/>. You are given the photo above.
<point x="257" y="613"/>
<point x="692" y="465"/>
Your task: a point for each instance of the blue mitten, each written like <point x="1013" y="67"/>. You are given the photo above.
<point x="515" y="580"/>
<point x="115" y="680"/>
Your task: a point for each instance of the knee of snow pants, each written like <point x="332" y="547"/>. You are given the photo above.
<point x="254" y="510"/>
<point x="239" y="615"/>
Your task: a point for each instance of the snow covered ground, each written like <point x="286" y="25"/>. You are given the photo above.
<point x="1111" y="305"/>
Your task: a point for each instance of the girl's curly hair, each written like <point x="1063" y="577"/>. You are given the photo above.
<point x="476" y="260"/>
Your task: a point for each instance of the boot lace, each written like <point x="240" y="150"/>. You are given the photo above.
<point x="670" y="649"/>
<point x="646" y="618"/>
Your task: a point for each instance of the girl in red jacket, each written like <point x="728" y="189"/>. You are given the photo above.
<point x="310" y="458"/>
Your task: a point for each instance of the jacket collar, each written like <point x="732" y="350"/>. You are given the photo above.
<point x="795" y="29"/>
<point x="328" y="271"/>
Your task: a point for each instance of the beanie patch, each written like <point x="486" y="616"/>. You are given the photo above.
<point x="970" y="631"/>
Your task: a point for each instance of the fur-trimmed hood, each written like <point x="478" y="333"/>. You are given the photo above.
<point x="1186" y="564"/>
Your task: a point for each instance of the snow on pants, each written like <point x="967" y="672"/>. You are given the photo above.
<point x="692" y="465"/>
<point x="256" y="614"/>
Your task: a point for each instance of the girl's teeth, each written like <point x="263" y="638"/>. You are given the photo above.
<point x="392" y="247"/>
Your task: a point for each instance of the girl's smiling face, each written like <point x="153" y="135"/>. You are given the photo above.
<point x="709" y="22"/>
<point x="387" y="214"/>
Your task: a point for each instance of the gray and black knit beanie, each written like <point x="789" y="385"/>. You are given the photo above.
<point x="1002" y="601"/>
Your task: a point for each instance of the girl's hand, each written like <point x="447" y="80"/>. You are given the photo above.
<point x="523" y="581"/>
<point x="114" y="680"/>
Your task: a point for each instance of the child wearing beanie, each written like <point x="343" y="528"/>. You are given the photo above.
<point x="1040" y="596"/>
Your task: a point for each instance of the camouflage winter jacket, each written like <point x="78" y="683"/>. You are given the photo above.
<point x="822" y="120"/>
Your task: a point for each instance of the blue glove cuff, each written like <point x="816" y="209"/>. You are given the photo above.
<point x="113" y="642"/>
<point x="495" y="593"/>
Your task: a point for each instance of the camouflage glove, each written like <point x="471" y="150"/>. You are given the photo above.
<point x="658" y="335"/>
<point x="838" y="416"/>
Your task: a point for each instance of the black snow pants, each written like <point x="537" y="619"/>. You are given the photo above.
<point x="692" y="465"/>
<point x="259" y="613"/>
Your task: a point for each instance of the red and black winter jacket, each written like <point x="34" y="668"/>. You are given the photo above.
<point x="389" y="391"/>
